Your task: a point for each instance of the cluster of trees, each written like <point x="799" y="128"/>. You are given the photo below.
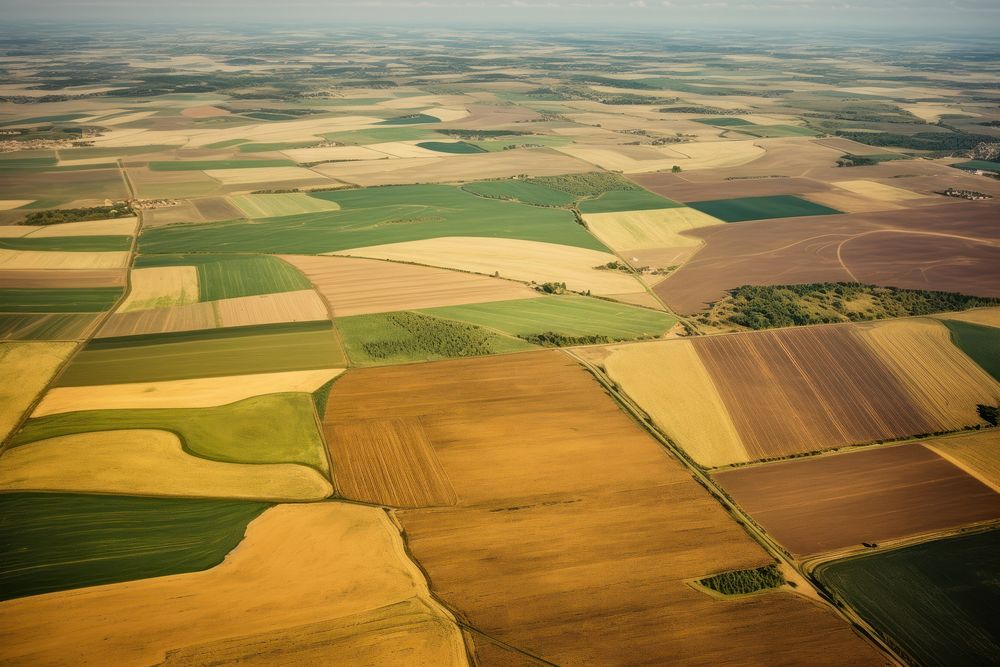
<point x="59" y="215"/>
<point x="417" y="334"/>
<point x="744" y="582"/>
<point x="766" y="307"/>
<point x="587" y="185"/>
<point x="989" y="413"/>
<point x="849" y="160"/>
<point x="945" y="142"/>
<point x="554" y="339"/>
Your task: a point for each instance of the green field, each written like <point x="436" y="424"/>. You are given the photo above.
<point x="529" y="140"/>
<point x="200" y="165"/>
<point x="458" y="147"/>
<point x="278" y="205"/>
<point x="380" y="135"/>
<point x="770" y="131"/>
<point x="53" y="542"/>
<point x="388" y="338"/>
<point x="520" y="190"/>
<point x="723" y="121"/>
<point x="374" y="216"/>
<point x="313" y="345"/>
<point x="626" y="200"/>
<point x="58" y="300"/>
<point x="273" y="428"/>
<point x="760" y="208"/>
<point x="936" y="602"/>
<point x="568" y="315"/>
<point x="980" y="342"/>
<point x="411" y="119"/>
<point x="280" y="146"/>
<point x="55" y="326"/>
<point x="230" y="276"/>
<point x="985" y="165"/>
<point x="69" y="243"/>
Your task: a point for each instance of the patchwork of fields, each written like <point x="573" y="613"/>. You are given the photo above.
<point x="471" y="349"/>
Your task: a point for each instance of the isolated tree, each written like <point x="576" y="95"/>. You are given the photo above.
<point x="676" y="169"/>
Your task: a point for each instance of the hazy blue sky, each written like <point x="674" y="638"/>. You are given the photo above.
<point x="890" y="15"/>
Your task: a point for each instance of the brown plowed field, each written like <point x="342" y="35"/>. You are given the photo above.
<point x="80" y="278"/>
<point x="189" y="317"/>
<point x="679" y="188"/>
<point x="575" y="531"/>
<point x="387" y="461"/>
<point x="361" y="286"/>
<point x="952" y="247"/>
<point x="801" y="390"/>
<point x="833" y="502"/>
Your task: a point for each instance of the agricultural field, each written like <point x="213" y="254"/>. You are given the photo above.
<point x="827" y="503"/>
<point x="759" y="208"/>
<point x="522" y="347"/>
<point x="530" y="503"/>
<point x="932" y="601"/>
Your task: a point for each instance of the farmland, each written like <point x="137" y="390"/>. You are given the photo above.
<point x="833" y="502"/>
<point x="566" y="315"/>
<point x="758" y="208"/>
<point x="498" y="481"/>
<point x="930" y="600"/>
<point x="614" y="337"/>
<point x="374" y="216"/>
<point x="54" y="542"/>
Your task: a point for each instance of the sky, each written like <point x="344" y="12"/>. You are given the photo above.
<point x="890" y="16"/>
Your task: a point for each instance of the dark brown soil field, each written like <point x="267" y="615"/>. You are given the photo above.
<point x="69" y="278"/>
<point x="679" y="188"/>
<point x="827" y="503"/>
<point x="575" y="531"/>
<point x="799" y="390"/>
<point x="955" y="247"/>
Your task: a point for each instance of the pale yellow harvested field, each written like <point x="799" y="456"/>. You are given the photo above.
<point x="879" y="191"/>
<point x="332" y="153"/>
<point x="150" y="463"/>
<point x="661" y="228"/>
<point x="298" y="306"/>
<point x="161" y="287"/>
<point x="194" y="393"/>
<point x="9" y="204"/>
<point x="932" y="113"/>
<point x="940" y="378"/>
<point x="204" y="112"/>
<point x="530" y="261"/>
<point x="977" y="453"/>
<point x="902" y="91"/>
<point x="84" y="161"/>
<point x="15" y="231"/>
<point x="286" y="203"/>
<point x="128" y="118"/>
<point x="850" y="202"/>
<point x="447" y="115"/>
<point x="692" y="156"/>
<point x="25" y="370"/>
<point x="455" y="168"/>
<point x="300" y="565"/>
<point x="39" y="259"/>
<point x="402" y="149"/>
<point x="263" y="175"/>
<point x="988" y="316"/>
<point x="361" y="286"/>
<point x="669" y="381"/>
<point x="114" y="227"/>
<point x="423" y="101"/>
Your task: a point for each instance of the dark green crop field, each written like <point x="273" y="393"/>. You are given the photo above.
<point x="70" y="243"/>
<point x="57" y="299"/>
<point x="374" y="216"/>
<point x="761" y="208"/>
<point x="53" y="542"/>
<point x="724" y="121"/>
<point x="412" y="119"/>
<point x="230" y="276"/>
<point x="458" y="147"/>
<point x="978" y="164"/>
<point x="198" y="165"/>
<point x="936" y="602"/>
<point x="980" y="342"/>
